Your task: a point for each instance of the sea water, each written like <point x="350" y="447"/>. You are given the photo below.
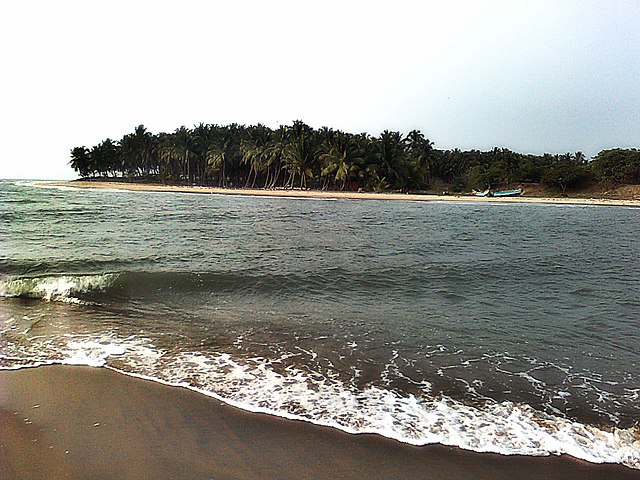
<point x="509" y="328"/>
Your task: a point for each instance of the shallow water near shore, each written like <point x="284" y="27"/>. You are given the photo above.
<point x="502" y="328"/>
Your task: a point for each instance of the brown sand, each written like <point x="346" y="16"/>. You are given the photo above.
<point x="62" y="422"/>
<point x="326" y="194"/>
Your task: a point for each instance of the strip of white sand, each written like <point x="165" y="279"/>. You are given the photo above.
<point x="143" y="187"/>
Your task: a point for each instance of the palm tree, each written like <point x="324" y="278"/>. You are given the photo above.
<point x="341" y="160"/>
<point x="272" y="160"/>
<point x="392" y="158"/>
<point x="144" y="147"/>
<point x="299" y="154"/>
<point x="419" y="150"/>
<point x="202" y="138"/>
<point x="253" y="148"/>
<point x="136" y="152"/>
<point x="177" y="153"/>
<point x="168" y="171"/>
<point x="81" y="161"/>
<point x="104" y="158"/>
<point x="216" y="153"/>
<point x="183" y="149"/>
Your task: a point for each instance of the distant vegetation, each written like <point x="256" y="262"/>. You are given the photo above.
<point x="298" y="156"/>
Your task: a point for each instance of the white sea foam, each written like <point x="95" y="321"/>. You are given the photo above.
<point x="97" y="352"/>
<point x="265" y="385"/>
<point x="47" y="186"/>
<point x="89" y="350"/>
<point x="92" y="353"/>
<point x="64" y="288"/>
<point x="42" y="184"/>
<point x="504" y="427"/>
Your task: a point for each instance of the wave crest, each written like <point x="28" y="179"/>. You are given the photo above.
<point x="64" y="288"/>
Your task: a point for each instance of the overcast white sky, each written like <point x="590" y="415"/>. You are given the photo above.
<point x="533" y="76"/>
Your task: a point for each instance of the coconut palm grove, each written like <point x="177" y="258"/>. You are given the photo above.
<point x="299" y="156"/>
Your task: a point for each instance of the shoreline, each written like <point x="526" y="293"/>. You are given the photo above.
<point x="319" y="194"/>
<point x="73" y="422"/>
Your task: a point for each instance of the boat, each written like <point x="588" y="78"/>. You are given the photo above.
<point x="501" y="193"/>
<point x="516" y="192"/>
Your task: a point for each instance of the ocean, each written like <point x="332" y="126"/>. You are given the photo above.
<point x="508" y="328"/>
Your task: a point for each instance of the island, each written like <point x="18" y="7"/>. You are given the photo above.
<point x="298" y="160"/>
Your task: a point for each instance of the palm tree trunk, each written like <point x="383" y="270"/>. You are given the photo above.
<point x="246" y="184"/>
<point x="221" y="179"/>
<point x="268" y="177"/>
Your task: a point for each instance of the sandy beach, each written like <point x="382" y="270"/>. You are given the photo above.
<point x="80" y="422"/>
<point x="139" y="187"/>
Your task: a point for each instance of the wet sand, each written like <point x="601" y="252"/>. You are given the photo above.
<point x="64" y="422"/>
<point x="140" y="187"/>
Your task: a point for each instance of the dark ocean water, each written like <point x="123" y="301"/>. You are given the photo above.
<point x="512" y="328"/>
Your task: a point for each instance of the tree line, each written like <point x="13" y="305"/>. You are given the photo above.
<point x="299" y="156"/>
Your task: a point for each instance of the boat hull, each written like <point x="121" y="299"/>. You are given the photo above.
<point x="504" y="193"/>
<point x="508" y="193"/>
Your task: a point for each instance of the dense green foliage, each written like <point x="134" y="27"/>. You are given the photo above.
<point x="617" y="166"/>
<point x="298" y="156"/>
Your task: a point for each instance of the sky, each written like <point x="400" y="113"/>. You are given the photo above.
<point x="533" y="76"/>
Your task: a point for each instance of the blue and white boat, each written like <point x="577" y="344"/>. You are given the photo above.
<point x="501" y="193"/>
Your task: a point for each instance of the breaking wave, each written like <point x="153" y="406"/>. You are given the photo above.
<point x="62" y="288"/>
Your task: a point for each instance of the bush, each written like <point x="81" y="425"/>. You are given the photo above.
<point x="617" y="166"/>
<point x="566" y="176"/>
